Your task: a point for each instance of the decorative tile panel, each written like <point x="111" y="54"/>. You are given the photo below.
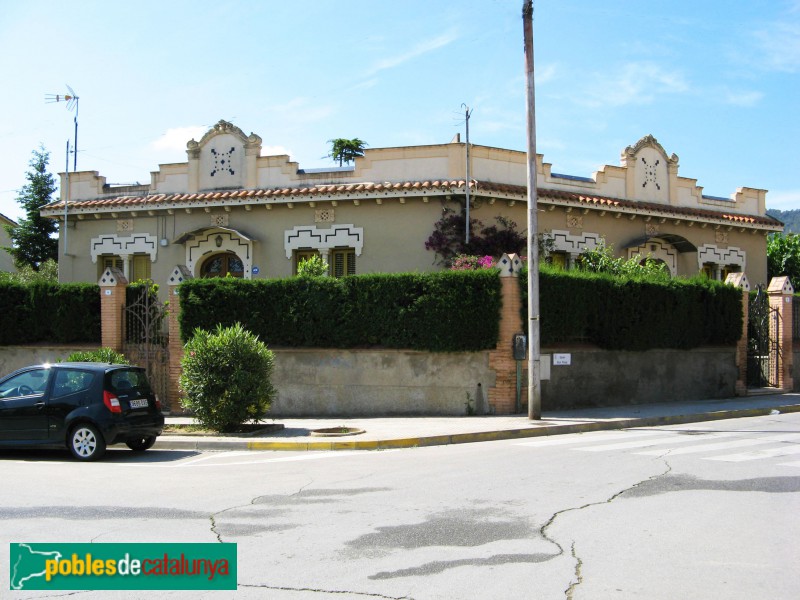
<point x="574" y="221"/>
<point x="326" y="215"/>
<point x="721" y="237"/>
<point x="124" y="225"/>
<point x="219" y="220"/>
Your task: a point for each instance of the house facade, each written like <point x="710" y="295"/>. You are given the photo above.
<point x="6" y="260"/>
<point x="230" y="210"/>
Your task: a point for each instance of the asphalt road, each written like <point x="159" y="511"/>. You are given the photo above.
<point x="692" y="511"/>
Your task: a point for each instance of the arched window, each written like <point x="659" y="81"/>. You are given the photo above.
<point x="222" y="265"/>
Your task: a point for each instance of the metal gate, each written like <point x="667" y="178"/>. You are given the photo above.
<point x="146" y="337"/>
<point x="763" y="350"/>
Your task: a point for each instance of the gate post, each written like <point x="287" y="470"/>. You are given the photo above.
<point x="739" y="280"/>
<point x="112" y="298"/>
<point x="179" y="274"/>
<point x="502" y="397"/>
<point x="780" y="292"/>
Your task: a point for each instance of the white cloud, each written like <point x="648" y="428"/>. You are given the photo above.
<point x="176" y="138"/>
<point x="275" y="151"/>
<point x="784" y="199"/>
<point x="780" y="45"/>
<point x="421" y="48"/>
<point x="634" y="83"/>
<point x="742" y="98"/>
<point x="544" y="74"/>
<point x="301" y="109"/>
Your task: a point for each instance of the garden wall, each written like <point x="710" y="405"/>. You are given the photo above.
<point x="327" y="383"/>
<point x="597" y="377"/>
<point x="16" y="357"/>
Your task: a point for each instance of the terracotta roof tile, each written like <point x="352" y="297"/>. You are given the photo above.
<point x="545" y="195"/>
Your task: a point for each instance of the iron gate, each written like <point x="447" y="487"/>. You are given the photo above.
<point x="763" y="350"/>
<point x="146" y="337"/>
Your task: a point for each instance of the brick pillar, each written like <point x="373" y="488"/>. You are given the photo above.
<point x="502" y="397"/>
<point x="178" y="276"/>
<point x="739" y="280"/>
<point x="780" y="292"/>
<point x="112" y="298"/>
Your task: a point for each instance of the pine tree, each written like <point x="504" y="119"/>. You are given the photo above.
<point x="32" y="241"/>
<point x="346" y="151"/>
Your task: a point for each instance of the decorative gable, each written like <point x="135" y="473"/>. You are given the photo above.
<point x="221" y="158"/>
<point x="649" y="170"/>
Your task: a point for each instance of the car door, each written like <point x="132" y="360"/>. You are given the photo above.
<point x="23" y="414"/>
<point x="72" y="388"/>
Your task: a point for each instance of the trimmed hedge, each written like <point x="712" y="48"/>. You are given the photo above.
<point x="445" y="311"/>
<point x="618" y="313"/>
<point x="49" y="312"/>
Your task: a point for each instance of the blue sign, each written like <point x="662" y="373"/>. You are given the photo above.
<point x="256" y="270"/>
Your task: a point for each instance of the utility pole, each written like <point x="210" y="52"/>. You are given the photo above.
<point x="72" y="101"/>
<point x="534" y="325"/>
<point x="467" y="113"/>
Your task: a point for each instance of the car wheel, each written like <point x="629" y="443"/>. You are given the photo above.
<point x="86" y="442"/>
<point x="141" y="444"/>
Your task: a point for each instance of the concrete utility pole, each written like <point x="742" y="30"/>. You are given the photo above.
<point x="467" y="113"/>
<point x="534" y="325"/>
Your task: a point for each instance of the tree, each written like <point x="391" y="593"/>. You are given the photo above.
<point x="32" y="241"/>
<point x="783" y="256"/>
<point x="346" y="151"/>
<point x="448" y="239"/>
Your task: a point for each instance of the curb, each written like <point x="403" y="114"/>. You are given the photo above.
<point x="175" y="443"/>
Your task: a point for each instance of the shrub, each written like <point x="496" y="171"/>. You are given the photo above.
<point x="227" y="377"/>
<point x="314" y="266"/>
<point x="634" y="313"/>
<point x="101" y="355"/>
<point x="448" y="311"/>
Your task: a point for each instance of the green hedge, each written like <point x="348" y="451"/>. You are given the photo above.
<point x="49" y="312"/>
<point x="619" y="313"/>
<point x="444" y="311"/>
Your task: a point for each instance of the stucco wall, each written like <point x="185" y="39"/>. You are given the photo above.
<point x="606" y="378"/>
<point x="16" y="357"/>
<point x="373" y="383"/>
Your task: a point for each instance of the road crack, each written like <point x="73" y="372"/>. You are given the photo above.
<point x="578" y="561"/>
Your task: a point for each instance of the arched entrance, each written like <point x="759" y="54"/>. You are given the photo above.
<point x="222" y="265"/>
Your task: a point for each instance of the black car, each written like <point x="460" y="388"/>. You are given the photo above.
<point x="83" y="406"/>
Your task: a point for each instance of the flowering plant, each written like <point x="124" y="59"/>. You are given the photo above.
<point x="468" y="262"/>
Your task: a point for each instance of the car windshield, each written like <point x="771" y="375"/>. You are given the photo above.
<point x="126" y="380"/>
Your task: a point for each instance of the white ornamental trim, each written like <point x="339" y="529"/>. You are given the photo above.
<point x="139" y="243"/>
<point x="710" y="253"/>
<point x="309" y="236"/>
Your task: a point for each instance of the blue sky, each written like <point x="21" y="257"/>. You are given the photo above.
<point x="717" y="83"/>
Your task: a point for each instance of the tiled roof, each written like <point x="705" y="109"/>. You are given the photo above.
<point x="547" y="196"/>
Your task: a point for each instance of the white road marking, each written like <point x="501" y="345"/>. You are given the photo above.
<point x="757" y="454"/>
<point x="724" y="445"/>
<point x="675" y="439"/>
<point x="580" y="438"/>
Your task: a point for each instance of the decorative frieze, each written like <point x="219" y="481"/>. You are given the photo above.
<point x="309" y="236"/>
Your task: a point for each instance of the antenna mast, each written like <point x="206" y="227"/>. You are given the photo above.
<point x="72" y="102"/>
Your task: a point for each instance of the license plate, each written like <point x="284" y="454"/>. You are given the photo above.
<point x="141" y="403"/>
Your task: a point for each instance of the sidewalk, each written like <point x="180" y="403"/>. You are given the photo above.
<point x="407" y="432"/>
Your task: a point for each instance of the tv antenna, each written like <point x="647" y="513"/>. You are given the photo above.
<point x="72" y="102"/>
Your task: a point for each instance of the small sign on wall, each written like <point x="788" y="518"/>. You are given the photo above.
<point x="562" y="359"/>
